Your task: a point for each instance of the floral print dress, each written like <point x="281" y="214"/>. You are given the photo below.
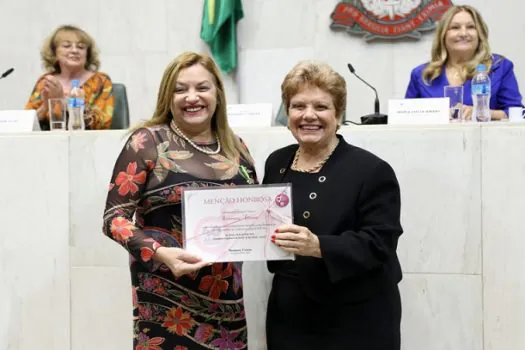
<point x="203" y="310"/>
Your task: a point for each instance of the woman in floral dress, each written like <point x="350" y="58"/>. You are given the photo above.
<point x="180" y="303"/>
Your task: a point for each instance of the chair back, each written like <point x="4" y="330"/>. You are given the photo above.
<point x="121" y="109"/>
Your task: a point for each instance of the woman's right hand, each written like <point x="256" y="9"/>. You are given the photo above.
<point x="179" y="261"/>
<point x="52" y="87"/>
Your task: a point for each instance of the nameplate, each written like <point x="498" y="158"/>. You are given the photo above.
<point x="250" y="115"/>
<point x="18" y="121"/>
<point x="418" y="111"/>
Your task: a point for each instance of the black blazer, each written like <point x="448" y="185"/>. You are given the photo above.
<point x="353" y="205"/>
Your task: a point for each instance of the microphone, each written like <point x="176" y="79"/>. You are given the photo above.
<point x="6" y="73"/>
<point x="376" y="117"/>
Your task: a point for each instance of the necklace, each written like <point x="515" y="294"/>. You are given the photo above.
<point x="314" y="168"/>
<point x="454" y="71"/>
<point x="198" y="148"/>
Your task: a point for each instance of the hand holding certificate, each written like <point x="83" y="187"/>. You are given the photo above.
<point x="235" y="223"/>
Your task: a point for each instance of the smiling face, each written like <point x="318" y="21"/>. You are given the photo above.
<point x="461" y="38"/>
<point x="312" y="117"/>
<point x="195" y="100"/>
<point x="71" y="51"/>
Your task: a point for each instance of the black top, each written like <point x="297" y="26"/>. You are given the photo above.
<point x="353" y="205"/>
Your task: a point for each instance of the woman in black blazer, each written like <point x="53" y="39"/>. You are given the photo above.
<point x="341" y="291"/>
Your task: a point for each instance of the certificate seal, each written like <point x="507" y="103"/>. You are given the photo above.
<point x="282" y="200"/>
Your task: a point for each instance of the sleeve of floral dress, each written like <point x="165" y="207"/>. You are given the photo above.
<point x="36" y="98"/>
<point x="132" y="168"/>
<point x="101" y="103"/>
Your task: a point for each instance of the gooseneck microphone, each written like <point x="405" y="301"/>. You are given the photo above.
<point x="6" y="73"/>
<point x="376" y="117"/>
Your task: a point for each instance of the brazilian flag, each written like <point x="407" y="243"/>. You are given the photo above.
<point x="219" y="30"/>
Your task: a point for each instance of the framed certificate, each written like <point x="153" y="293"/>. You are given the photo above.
<point x="236" y="223"/>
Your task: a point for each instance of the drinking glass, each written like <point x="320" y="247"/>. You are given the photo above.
<point x="57" y="114"/>
<point x="455" y="94"/>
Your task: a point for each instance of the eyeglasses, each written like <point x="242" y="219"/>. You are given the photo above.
<point x="70" y="45"/>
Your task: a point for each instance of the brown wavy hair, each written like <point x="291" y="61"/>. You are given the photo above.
<point x="231" y="144"/>
<point x="315" y="74"/>
<point x="439" y="54"/>
<point x="49" y="48"/>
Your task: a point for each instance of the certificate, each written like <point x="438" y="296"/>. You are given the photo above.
<point x="223" y="224"/>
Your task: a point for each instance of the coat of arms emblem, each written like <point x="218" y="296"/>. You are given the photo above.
<point x="390" y="19"/>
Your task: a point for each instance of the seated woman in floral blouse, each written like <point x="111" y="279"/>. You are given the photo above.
<point x="69" y="54"/>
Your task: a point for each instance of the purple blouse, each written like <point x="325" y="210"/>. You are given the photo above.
<point x="504" y="87"/>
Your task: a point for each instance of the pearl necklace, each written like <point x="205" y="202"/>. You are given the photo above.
<point x="313" y="169"/>
<point x="198" y="148"/>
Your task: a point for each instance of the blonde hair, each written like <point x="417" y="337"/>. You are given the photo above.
<point x="48" y="51"/>
<point x="315" y="74"/>
<point x="231" y="144"/>
<point x="439" y="51"/>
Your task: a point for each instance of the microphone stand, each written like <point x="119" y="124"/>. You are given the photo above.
<point x="376" y="117"/>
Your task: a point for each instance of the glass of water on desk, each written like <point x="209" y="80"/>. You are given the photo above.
<point x="57" y="114"/>
<point x="455" y="95"/>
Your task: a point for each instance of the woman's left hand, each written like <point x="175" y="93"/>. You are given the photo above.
<point x="298" y="240"/>
<point x="89" y="117"/>
<point x="466" y="112"/>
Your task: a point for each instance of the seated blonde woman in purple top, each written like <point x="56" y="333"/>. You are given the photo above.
<point x="460" y="44"/>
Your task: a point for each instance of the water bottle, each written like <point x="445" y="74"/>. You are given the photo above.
<point x="75" y="106"/>
<point x="481" y="95"/>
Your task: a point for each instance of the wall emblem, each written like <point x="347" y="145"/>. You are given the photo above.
<point x="390" y="19"/>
